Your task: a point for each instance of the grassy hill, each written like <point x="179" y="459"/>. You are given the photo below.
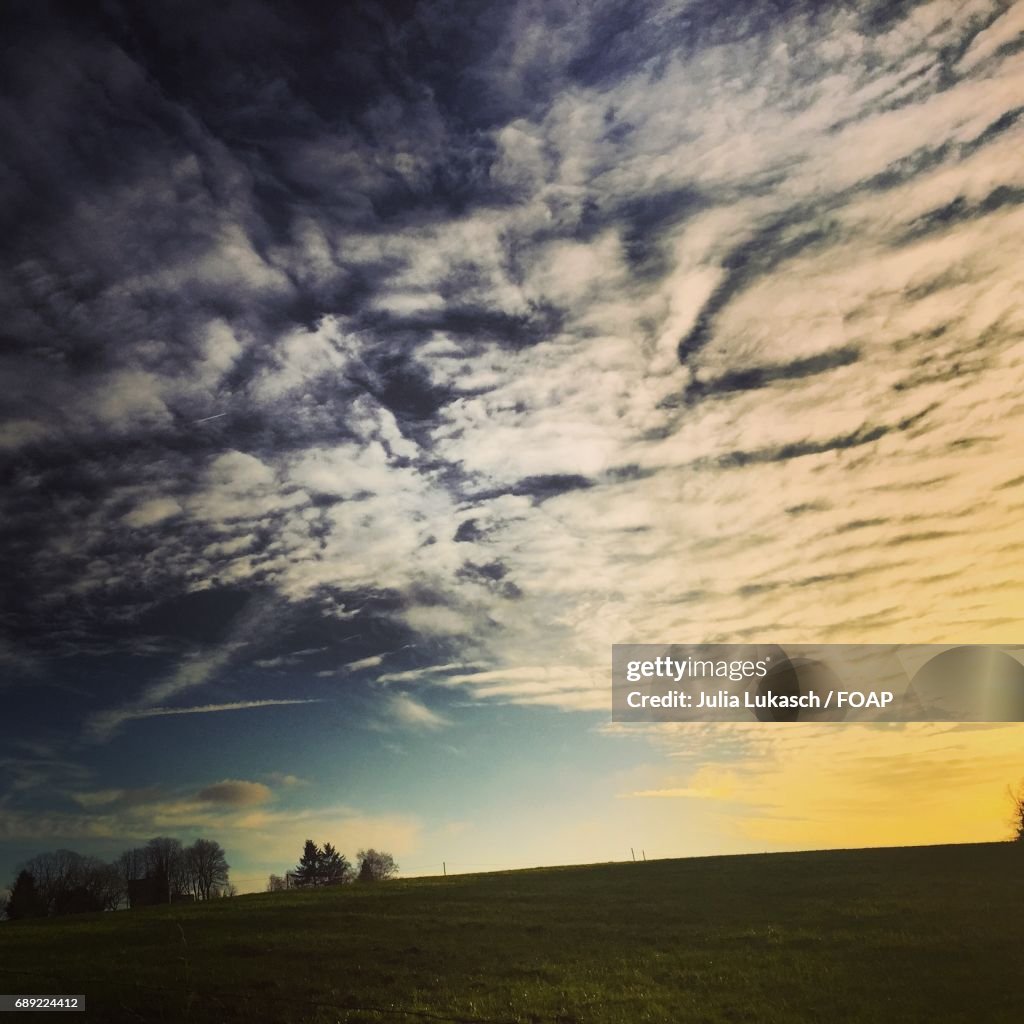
<point x="917" y="934"/>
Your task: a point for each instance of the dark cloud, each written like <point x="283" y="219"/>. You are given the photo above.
<point x="808" y="506"/>
<point x="468" y="532"/>
<point x="783" y="453"/>
<point x="861" y="524"/>
<point x="235" y="793"/>
<point x="960" y="210"/>
<point x="754" y="377"/>
<point x="540" y="488"/>
<point x="317" y="309"/>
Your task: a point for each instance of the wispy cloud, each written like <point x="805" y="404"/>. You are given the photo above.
<point x="407" y="712"/>
<point x="103" y="725"/>
<point x="698" y="325"/>
<point x="665" y="285"/>
<point x="235" y="793"/>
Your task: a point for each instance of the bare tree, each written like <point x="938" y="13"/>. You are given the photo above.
<point x="376" y="866"/>
<point x="54" y="875"/>
<point x="104" y="882"/>
<point x="1017" y="823"/>
<point x="275" y="883"/>
<point x="165" y="865"/>
<point x="206" y="867"/>
<point x="131" y="865"/>
<point x="67" y="882"/>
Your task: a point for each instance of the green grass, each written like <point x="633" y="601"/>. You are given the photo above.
<point x="917" y="934"/>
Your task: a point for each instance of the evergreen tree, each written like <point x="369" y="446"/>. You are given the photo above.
<point x="25" y="900"/>
<point x="335" y="868"/>
<point x="310" y="868"/>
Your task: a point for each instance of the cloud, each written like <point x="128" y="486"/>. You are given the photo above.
<point x="280" y="779"/>
<point x="708" y="783"/>
<point x="409" y="713"/>
<point x="235" y="793"/>
<point x="256" y="837"/>
<point x="503" y="374"/>
<point x="154" y="510"/>
<point x="103" y="725"/>
<point x="515" y="356"/>
<point x="363" y="663"/>
<point x="817" y="787"/>
<point x="98" y="798"/>
<point x="41" y="770"/>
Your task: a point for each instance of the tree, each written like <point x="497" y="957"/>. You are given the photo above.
<point x="1017" y="798"/>
<point x="376" y="866"/>
<point x="91" y="885"/>
<point x="25" y="900"/>
<point x="275" y="883"/>
<point x="132" y="864"/>
<point x="53" y="873"/>
<point x="165" y="867"/>
<point x="206" y="868"/>
<point x="308" y="872"/>
<point x="334" y="867"/>
<point x="131" y="870"/>
<point x="108" y="886"/>
<point x="70" y="883"/>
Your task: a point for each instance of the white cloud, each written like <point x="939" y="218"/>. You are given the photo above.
<point x="155" y="510"/>
<point x="303" y="355"/>
<point x="407" y="712"/>
<point x="105" y="723"/>
<point x="362" y="663"/>
<point x="131" y="399"/>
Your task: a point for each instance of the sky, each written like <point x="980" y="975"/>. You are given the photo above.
<point x="369" y="371"/>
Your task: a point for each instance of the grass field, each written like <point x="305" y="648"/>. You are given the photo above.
<point x="917" y="934"/>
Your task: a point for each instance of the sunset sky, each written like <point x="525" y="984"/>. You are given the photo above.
<point x="368" y="374"/>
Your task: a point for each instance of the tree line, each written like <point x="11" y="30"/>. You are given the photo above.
<point x="162" y="871"/>
<point x="324" y="865"/>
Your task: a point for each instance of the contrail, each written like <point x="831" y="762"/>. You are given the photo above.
<point x="206" y="419"/>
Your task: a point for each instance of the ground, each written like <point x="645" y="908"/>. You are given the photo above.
<point x="916" y="934"/>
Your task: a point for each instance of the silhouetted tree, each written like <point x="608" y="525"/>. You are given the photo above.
<point x="206" y="867"/>
<point x="25" y="900"/>
<point x="308" y="872"/>
<point x="275" y="883"/>
<point x="1017" y="797"/>
<point x="132" y="864"/>
<point x="165" y="867"/>
<point x="376" y="866"/>
<point x="52" y="872"/>
<point x="96" y="885"/>
<point x="70" y="883"/>
<point x="77" y="899"/>
<point x="334" y="867"/>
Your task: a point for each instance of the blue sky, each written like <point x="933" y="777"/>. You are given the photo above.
<point x="370" y="372"/>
